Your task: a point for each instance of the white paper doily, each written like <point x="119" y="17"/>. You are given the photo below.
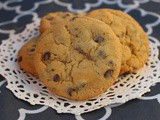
<point x="26" y="87"/>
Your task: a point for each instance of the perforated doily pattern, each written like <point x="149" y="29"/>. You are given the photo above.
<point x="28" y="88"/>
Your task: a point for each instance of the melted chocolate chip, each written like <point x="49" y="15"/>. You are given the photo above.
<point x="102" y="54"/>
<point x="74" y="18"/>
<point x="46" y="56"/>
<point x="20" y="59"/>
<point x="70" y="91"/>
<point x="99" y="39"/>
<point x="76" y="35"/>
<point x="56" y="78"/>
<point x="32" y="50"/>
<point x="108" y="73"/>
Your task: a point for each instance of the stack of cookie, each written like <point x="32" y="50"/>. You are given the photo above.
<point x="80" y="56"/>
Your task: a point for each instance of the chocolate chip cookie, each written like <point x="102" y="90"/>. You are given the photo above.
<point x="26" y="55"/>
<point x="135" y="44"/>
<point x="53" y="18"/>
<point x="78" y="59"/>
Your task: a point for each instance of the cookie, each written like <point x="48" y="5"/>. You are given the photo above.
<point x="26" y="56"/>
<point x="78" y="59"/>
<point x="135" y="44"/>
<point x="53" y="18"/>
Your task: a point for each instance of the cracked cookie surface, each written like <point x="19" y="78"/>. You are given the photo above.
<point x="26" y="55"/>
<point x="135" y="44"/>
<point x="78" y="59"/>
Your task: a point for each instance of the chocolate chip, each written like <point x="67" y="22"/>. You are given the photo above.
<point x="70" y="91"/>
<point x="74" y="18"/>
<point x="49" y="18"/>
<point x="99" y="39"/>
<point x="102" y="54"/>
<point x="32" y="50"/>
<point x="56" y="78"/>
<point x="108" y="73"/>
<point x="20" y="59"/>
<point x="76" y="35"/>
<point x="66" y="26"/>
<point x="46" y="56"/>
<point x="111" y="64"/>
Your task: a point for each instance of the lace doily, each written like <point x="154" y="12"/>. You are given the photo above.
<point x="28" y="88"/>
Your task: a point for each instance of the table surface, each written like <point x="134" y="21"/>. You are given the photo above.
<point x="15" y="14"/>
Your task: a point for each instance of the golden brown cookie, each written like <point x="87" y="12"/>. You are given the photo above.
<point x="53" y="18"/>
<point x="135" y="44"/>
<point x="78" y="59"/>
<point x="26" y="55"/>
